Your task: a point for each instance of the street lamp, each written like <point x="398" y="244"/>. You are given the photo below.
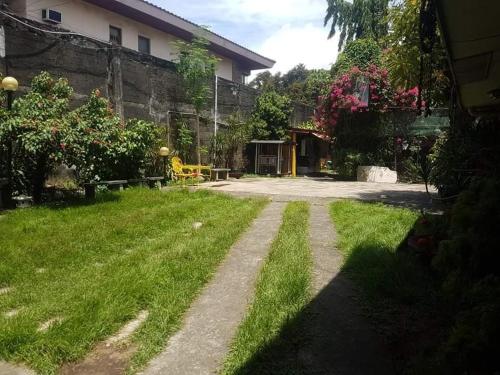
<point x="164" y="152"/>
<point x="9" y="84"/>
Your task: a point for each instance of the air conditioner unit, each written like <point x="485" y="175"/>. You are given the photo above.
<point x="51" y="15"/>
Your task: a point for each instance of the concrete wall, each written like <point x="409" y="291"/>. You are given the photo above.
<point x="94" y="22"/>
<point x="139" y="86"/>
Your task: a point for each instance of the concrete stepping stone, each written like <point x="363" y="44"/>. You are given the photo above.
<point x="10" y="369"/>
<point x="5" y="290"/>
<point x="129" y="329"/>
<point x="201" y="345"/>
<point x="45" y="326"/>
<point x="12" y="313"/>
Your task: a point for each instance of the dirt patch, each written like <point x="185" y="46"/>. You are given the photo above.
<point x="105" y="359"/>
<point x="112" y="356"/>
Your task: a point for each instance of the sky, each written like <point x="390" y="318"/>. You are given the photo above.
<point x="287" y="31"/>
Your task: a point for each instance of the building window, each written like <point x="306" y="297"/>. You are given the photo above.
<point x="144" y="45"/>
<point x="115" y="35"/>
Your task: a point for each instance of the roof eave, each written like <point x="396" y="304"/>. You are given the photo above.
<point x="154" y="16"/>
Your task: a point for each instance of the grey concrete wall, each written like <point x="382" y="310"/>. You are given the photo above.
<point x="139" y="86"/>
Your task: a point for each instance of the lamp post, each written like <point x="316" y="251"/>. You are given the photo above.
<point x="10" y="85"/>
<point x="164" y="152"/>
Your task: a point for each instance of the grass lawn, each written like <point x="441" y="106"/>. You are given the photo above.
<point x="282" y="292"/>
<point x="96" y="266"/>
<point x="369" y="235"/>
<point x="399" y="290"/>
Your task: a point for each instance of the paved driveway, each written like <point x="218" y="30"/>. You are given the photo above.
<point x="411" y="195"/>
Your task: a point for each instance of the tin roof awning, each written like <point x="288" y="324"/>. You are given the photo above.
<point x="314" y="132"/>
<point x="471" y="32"/>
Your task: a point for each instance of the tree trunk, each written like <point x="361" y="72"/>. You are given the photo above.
<point x="198" y="142"/>
<point x="39" y="180"/>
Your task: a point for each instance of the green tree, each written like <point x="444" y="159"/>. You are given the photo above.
<point x="402" y="56"/>
<point x="357" y="19"/>
<point x="299" y="84"/>
<point x="36" y="126"/>
<point x="183" y="140"/>
<point x="196" y="66"/>
<point x="361" y="53"/>
<point x="271" y="116"/>
<point x="101" y="146"/>
<point x="266" y="81"/>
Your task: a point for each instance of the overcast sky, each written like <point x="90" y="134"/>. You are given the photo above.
<point x="288" y="31"/>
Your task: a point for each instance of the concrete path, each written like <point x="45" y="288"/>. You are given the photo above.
<point x="342" y="341"/>
<point x="10" y="369"/>
<point x="212" y="320"/>
<point x="303" y="188"/>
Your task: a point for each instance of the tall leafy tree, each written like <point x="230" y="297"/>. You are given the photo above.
<point x="196" y="66"/>
<point x="402" y="56"/>
<point x="357" y="19"/>
<point x="361" y="53"/>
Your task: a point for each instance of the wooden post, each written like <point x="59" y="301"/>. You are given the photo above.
<point x="294" y="154"/>
<point x="278" y="167"/>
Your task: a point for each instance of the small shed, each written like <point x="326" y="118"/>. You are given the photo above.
<point x="310" y="151"/>
<point x="271" y="157"/>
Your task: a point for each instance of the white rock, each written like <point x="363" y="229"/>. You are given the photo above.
<point x="376" y="174"/>
<point x="197" y="225"/>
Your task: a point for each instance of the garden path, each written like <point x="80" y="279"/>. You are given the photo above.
<point x="201" y="345"/>
<point x="341" y="339"/>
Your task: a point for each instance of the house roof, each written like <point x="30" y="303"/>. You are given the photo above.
<point x="471" y="32"/>
<point x="161" y="19"/>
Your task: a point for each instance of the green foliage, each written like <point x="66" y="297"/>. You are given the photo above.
<point x="92" y="137"/>
<point x="357" y="19"/>
<point x="36" y="126"/>
<point x="196" y="66"/>
<point x="299" y="84"/>
<point x="229" y="139"/>
<point x="402" y="55"/>
<point x="469" y="265"/>
<point x="183" y="140"/>
<point x="467" y="151"/>
<point x="360" y="53"/>
<point x="102" y="147"/>
<point x="271" y="116"/>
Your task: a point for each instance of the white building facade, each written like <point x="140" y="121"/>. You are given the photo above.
<point x="140" y="26"/>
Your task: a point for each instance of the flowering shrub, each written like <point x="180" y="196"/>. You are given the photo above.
<point x="102" y="146"/>
<point x="44" y="132"/>
<point x="36" y="126"/>
<point x="362" y="90"/>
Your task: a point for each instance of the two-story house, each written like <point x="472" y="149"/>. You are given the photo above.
<point x="140" y="26"/>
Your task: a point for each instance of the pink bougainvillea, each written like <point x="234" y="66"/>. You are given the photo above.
<point x="358" y="91"/>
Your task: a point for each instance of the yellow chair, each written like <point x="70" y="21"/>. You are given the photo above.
<point x="190" y="168"/>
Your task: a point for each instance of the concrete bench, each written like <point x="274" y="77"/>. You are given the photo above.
<point x="214" y="173"/>
<point x="3" y="182"/>
<point x="155" y="181"/>
<point x="90" y="187"/>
